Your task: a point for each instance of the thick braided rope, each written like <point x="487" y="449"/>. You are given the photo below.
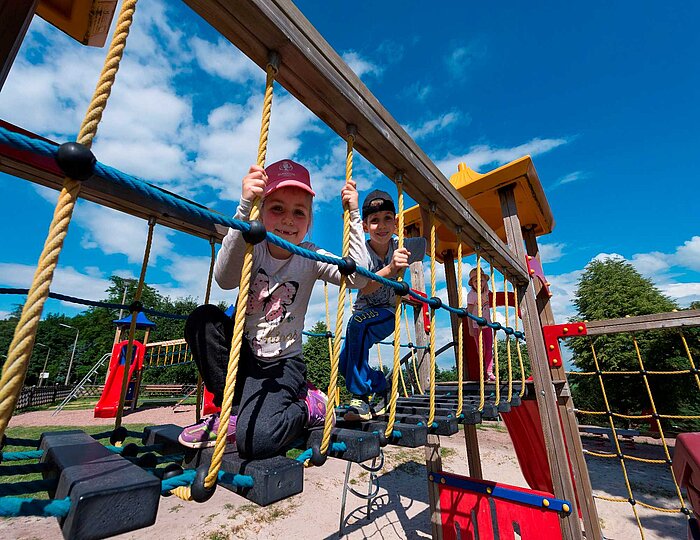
<point x="396" y="369"/>
<point x="494" y="341"/>
<point x="517" y="343"/>
<point x="132" y="324"/>
<point x="207" y="294"/>
<point x="413" y="351"/>
<point x="379" y="357"/>
<point x="433" y="330"/>
<point x="508" y="352"/>
<point x="479" y="307"/>
<point x="690" y="357"/>
<point x="460" y="337"/>
<point x="658" y="420"/>
<point x="614" y="435"/>
<point x="242" y="303"/>
<point x="335" y="357"/>
<point x="328" y="318"/>
<point x="19" y="353"/>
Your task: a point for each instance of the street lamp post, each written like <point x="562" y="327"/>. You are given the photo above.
<point x="46" y="361"/>
<point x="75" y="343"/>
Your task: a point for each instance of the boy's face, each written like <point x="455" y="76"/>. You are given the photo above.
<point x="381" y="226"/>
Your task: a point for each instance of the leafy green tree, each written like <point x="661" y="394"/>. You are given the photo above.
<point x="614" y="289"/>
<point x="317" y="359"/>
<point x="515" y="362"/>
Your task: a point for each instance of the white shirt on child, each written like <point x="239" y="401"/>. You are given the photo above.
<point x="280" y="289"/>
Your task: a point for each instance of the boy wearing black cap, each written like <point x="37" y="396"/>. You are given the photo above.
<point x="373" y="314"/>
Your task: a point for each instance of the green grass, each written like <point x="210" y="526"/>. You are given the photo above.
<point x="34" y="433"/>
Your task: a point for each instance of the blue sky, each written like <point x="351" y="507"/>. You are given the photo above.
<point x="603" y="98"/>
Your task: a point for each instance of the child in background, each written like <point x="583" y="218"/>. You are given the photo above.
<point x="473" y="328"/>
<point x="274" y="401"/>
<point x="373" y="314"/>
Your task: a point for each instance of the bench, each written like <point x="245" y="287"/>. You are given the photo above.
<point x="165" y="390"/>
<point x="627" y="434"/>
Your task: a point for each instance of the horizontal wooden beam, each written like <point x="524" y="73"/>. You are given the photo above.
<point x="315" y="74"/>
<point x="676" y="319"/>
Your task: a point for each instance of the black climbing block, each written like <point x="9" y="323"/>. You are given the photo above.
<point x="412" y="435"/>
<point x="274" y="478"/>
<point x="503" y="406"/>
<point x="490" y="411"/>
<point x="109" y="495"/>
<point x="165" y="435"/>
<point x="424" y="410"/>
<point x="445" y="426"/>
<point x="361" y="445"/>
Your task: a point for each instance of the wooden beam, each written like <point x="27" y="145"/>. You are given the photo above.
<point x="567" y="413"/>
<point x="420" y="337"/>
<point x="433" y="463"/>
<point x="15" y="16"/>
<point x="315" y="74"/>
<point x="686" y="318"/>
<point x="544" y="389"/>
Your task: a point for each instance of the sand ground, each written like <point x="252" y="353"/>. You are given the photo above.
<point x="399" y="511"/>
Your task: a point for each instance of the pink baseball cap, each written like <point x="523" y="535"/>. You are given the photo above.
<point x="287" y="173"/>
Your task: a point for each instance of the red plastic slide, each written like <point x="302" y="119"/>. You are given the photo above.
<point x="109" y="401"/>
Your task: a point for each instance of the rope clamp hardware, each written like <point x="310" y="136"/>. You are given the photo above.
<point x="76" y="161"/>
<point x="347" y="266"/>
<point x="256" y="233"/>
<point x="136" y="306"/>
<point x="352" y="131"/>
<point x="273" y="60"/>
<point x="200" y="493"/>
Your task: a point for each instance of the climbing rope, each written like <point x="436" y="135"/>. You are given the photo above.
<point x="460" y="336"/>
<point x="433" y="293"/>
<point x="132" y="324"/>
<point x="508" y="351"/>
<point x="19" y="353"/>
<point x="517" y="342"/>
<point x="396" y="369"/>
<point x="494" y="341"/>
<point x="480" y="338"/>
<point x="242" y="303"/>
<point x="412" y="349"/>
<point x="335" y="357"/>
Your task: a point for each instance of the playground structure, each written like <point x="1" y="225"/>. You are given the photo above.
<point x="310" y="70"/>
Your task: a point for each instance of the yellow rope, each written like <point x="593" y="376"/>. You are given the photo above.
<point x="413" y="351"/>
<point x="328" y="319"/>
<point x="480" y="338"/>
<point x="517" y="343"/>
<point x="403" y="382"/>
<point x="396" y="369"/>
<point x="658" y="420"/>
<point x="508" y="353"/>
<point x="242" y="303"/>
<point x="690" y="357"/>
<point x="460" y="337"/>
<point x="132" y="324"/>
<point x="20" y="351"/>
<point x="335" y="357"/>
<point x="614" y="437"/>
<point x="433" y="329"/>
<point x="494" y="340"/>
<point x="379" y="357"/>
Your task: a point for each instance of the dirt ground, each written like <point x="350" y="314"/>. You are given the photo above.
<point x="401" y="508"/>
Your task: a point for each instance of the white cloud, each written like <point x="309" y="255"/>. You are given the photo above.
<point x="361" y="66"/>
<point x="461" y="58"/>
<point x="550" y="253"/>
<point x="222" y="59"/>
<point x="650" y="264"/>
<point x="688" y="254"/>
<point x="683" y="293"/>
<point x="569" y="178"/>
<point x="481" y="155"/>
<point x="433" y="126"/>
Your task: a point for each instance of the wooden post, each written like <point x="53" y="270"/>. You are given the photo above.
<point x="470" y="435"/>
<point x="15" y="16"/>
<point x="433" y="463"/>
<point x="544" y="389"/>
<point x="421" y="339"/>
<point x="566" y="411"/>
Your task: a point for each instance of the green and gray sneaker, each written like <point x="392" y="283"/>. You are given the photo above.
<point x="358" y="410"/>
<point x="380" y="404"/>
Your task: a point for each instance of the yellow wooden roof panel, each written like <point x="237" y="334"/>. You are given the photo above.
<point x="481" y="191"/>
<point x="86" y="21"/>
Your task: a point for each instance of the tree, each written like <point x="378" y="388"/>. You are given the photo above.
<point x="614" y="289"/>
<point x="317" y="359"/>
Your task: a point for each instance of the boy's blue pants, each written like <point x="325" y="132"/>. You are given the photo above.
<point x="365" y="329"/>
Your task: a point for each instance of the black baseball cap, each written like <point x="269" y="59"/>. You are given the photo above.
<point x="377" y="201"/>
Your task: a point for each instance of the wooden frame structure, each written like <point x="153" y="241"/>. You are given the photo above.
<point x="316" y="75"/>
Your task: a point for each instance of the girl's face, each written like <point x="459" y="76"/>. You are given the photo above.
<point x="286" y="212"/>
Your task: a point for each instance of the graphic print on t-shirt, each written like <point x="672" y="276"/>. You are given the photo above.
<point x="273" y="303"/>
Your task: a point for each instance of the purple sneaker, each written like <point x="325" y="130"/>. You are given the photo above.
<point x="316" y="402"/>
<point x="203" y="433"/>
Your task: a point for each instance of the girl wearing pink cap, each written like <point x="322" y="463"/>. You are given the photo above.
<point x="273" y="403"/>
<point x="473" y="328"/>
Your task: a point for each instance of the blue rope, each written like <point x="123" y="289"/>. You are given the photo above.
<point x="337" y="447"/>
<point x="19" y="506"/>
<point x="20" y="456"/>
<point x="27" y="468"/>
<point x="200" y="213"/>
<point x="405" y="345"/>
<point x="241" y="481"/>
<point x="17" y="441"/>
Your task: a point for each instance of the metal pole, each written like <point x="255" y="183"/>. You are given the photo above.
<point x="70" y="364"/>
<point x="46" y="361"/>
